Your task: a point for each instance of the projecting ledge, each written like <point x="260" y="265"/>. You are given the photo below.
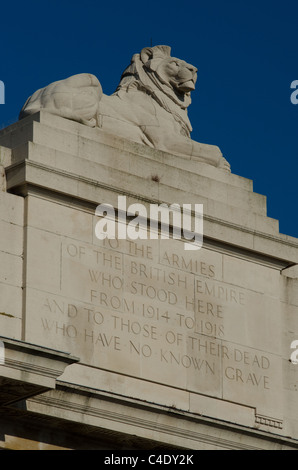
<point x="27" y="370"/>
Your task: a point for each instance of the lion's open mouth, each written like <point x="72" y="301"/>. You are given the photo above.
<point x="187" y="85"/>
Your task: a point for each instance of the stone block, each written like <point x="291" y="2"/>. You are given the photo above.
<point x="11" y="240"/>
<point x="11" y="305"/>
<point x="12" y="208"/>
<point x="11" y="269"/>
<point x="60" y="219"/>
<point x="5" y="156"/>
<point x="197" y="334"/>
<point x="43" y="254"/>
<point x="229" y="412"/>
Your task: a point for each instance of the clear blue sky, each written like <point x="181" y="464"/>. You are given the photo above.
<point x="246" y="53"/>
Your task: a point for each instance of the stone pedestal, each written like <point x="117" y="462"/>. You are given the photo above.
<point x="189" y="349"/>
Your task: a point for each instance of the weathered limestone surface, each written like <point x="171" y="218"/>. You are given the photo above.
<point x="11" y="264"/>
<point x="200" y="339"/>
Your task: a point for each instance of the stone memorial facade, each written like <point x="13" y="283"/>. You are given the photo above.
<point x="132" y="341"/>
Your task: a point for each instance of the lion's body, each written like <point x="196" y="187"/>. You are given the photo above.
<point x="136" y="115"/>
<point x="149" y="105"/>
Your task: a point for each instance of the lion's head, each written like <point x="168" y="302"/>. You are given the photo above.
<point x="154" y="69"/>
<point x="171" y="71"/>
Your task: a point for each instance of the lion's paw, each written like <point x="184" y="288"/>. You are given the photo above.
<point x="89" y="122"/>
<point x="224" y="165"/>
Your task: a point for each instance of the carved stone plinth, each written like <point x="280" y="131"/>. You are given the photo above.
<point x="181" y="348"/>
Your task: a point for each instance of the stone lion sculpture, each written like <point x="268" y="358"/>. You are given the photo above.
<point x="149" y="105"/>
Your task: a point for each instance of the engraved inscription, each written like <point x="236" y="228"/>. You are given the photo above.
<point x="157" y="313"/>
